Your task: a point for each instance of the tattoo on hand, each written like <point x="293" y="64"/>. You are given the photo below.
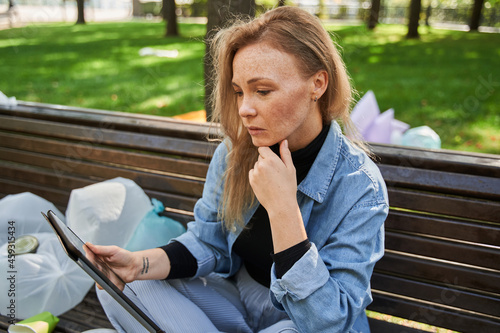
<point x="145" y="265"/>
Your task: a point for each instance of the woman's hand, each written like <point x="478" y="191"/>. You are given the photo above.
<point x="129" y="266"/>
<point x="274" y="183"/>
<point x="273" y="180"/>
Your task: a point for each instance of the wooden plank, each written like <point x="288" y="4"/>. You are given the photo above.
<point x="445" y="160"/>
<point x="61" y="168"/>
<point x="381" y="326"/>
<point x="103" y="136"/>
<point x="475" y="209"/>
<point x="471" y="254"/>
<point x="57" y="197"/>
<point x="76" y="151"/>
<point x="433" y="314"/>
<point x="438" y="272"/>
<point x="442" y="227"/>
<point x="139" y="123"/>
<point x="449" y="294"/>
<point x="473" y="186"/>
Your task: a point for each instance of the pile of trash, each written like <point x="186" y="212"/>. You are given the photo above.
<point x="43" y="278"/>
<point x="378" y="127"/>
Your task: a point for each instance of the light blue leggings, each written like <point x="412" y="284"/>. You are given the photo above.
<point x="210" y="304"/>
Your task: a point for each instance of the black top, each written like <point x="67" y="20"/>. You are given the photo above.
<point x="254" y="245"/>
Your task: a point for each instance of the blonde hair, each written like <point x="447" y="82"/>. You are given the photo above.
<point x="295" y="32"/>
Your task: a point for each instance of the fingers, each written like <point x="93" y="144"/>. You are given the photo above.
<point x="286" y="154"/>
<point x="102" y="250"/>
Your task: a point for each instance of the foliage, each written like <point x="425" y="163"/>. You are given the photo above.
<point x="448" y="80"/>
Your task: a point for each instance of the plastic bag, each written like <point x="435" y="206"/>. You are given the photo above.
<point x="107" y="213"/>
<point x="423" y="137"/>
<point x="24" y="210"/>
<point x="47" y="280"/>
<point x="154" y="230"/>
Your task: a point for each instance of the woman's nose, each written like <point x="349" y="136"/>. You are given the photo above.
<point x="246" y="108"/>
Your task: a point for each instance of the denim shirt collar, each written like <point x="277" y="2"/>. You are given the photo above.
<point x="319" y="178"/>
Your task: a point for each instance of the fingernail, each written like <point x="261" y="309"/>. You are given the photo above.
<point x="286" y="144"/>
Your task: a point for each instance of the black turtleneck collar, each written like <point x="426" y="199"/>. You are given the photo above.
<point x="304" y="158"/>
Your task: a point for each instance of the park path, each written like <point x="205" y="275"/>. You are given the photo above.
<point x="25" y="14"/>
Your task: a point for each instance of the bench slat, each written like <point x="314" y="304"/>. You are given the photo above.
<point x="447" y="294"/>
<point x="438" y="272"/>
<point x="388" y="327"/>
<point x="442" y="182"/>
<point x="444" y="160"/>
<point x="140" y="123"/>
<point x="72" y="150"/>
<point x="475" y="209"/>
<point x="443" y="227"/>
<point x="103" y="136"/>
<point x="444" y="249"/>
<point x="60" y="167"/>
<point x="433" y="314"/>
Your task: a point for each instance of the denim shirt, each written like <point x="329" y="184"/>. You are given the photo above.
<point x="344" y="203"/>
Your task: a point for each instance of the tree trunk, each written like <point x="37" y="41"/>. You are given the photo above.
<point x="169" y="15"/>
<point x="414" y="18"/>
<point x="219" y="12"/>
<point x="80" y="5"/>
<point x="281" y="3"/>
<point x="476" y="15"/>
<point x="374" y="14"/>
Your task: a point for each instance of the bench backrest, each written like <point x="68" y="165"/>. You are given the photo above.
<point x="442" y="261"/>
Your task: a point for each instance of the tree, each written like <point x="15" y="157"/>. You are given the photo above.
<point x="169" y="15"/>
<point x="80" y="5"/>
<point x="414" y="18"/>
<point x="476" y="15"/>
<point x="219" y="12"/>
<point x="374" y="14"/>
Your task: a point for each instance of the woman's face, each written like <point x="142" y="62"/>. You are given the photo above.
<point x="275" y="102"/>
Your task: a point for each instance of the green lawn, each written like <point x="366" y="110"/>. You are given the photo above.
<point x="448" y="80"/>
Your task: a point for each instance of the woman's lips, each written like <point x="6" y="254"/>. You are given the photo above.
<point x="253" y="130"/>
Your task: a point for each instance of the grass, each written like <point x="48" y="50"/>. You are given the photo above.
<point x="98" y="66"/>
<point x="448" y="80"/>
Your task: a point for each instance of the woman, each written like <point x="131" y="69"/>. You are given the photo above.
<point x="290" y="224"/>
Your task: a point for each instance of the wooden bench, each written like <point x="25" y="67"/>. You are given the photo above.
<point x="442" y="261"/>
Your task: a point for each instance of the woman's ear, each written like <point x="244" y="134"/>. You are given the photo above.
<point x="320" y="83"/>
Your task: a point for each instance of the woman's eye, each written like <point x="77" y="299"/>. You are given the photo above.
<point x="238" y="93"/>
<point x="263" y="92"/>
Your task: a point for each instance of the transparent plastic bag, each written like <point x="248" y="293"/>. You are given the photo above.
<point x="47" y="280"/>
<point x="24" y="210"/>
<point x="107" y="213"/>
<point x="423" y="137"/>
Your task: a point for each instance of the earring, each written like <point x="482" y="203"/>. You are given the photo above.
<point x="315" y="99"/>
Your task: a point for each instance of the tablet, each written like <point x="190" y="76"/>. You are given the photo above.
<point x="97" y="269"/>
